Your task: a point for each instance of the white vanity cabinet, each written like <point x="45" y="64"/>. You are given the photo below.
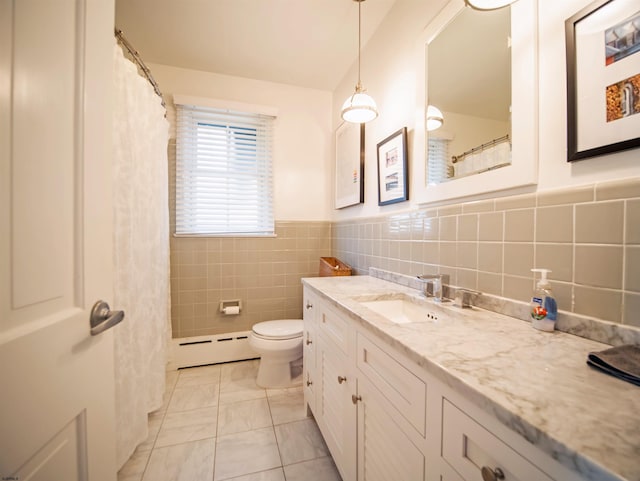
<point x="389" y="413"/>
<point x="369" y="407"/>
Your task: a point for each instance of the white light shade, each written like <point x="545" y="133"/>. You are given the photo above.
<point x="489" y="4"/>
<point x="359" y="108"/>
<point x="435" y="119"/>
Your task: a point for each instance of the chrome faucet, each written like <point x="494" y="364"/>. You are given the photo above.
<point x="463" y="297"/>
<point x="436" y="281"/>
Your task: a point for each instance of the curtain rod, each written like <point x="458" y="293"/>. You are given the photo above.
<point x="480" y="148"/>
<point x="136" y="57"/>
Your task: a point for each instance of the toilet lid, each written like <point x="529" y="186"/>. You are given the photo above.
<point x="281" y="329"/>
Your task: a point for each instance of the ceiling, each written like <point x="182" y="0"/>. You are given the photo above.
<point x="307" y="43"/>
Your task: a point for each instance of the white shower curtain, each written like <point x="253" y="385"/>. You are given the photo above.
<point x="141" y="253"/>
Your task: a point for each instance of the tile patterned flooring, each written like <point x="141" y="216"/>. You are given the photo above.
<point x="216" y="424"/>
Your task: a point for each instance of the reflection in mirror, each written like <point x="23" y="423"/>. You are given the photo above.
<point x="469" y="80"/>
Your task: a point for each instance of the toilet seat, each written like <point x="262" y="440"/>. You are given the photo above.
<point x="279" y="330"/>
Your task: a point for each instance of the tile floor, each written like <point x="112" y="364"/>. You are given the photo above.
<point x="217" y="424"/>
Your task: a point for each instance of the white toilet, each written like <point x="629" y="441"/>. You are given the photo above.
<point x="279" y="344"/>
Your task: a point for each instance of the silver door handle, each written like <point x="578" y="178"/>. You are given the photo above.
<point x="102" y="318"/>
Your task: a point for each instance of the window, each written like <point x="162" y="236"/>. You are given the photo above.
<point x="438" y="155"/>
<point x="224" y="181"/>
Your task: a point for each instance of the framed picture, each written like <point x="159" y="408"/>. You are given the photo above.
<point x="392" y="168"/>
<point x="349" y="164"/>
<point x="603" y="79"/>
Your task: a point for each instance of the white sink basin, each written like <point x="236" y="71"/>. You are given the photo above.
<point x="402" y="311"/>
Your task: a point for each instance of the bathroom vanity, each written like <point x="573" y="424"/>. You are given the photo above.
<point x="406" y="389"/>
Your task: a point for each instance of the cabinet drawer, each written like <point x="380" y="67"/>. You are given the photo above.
<point x="403" y="389"/>
<point x="468" y="447"/>
<point x="334" y="327"/>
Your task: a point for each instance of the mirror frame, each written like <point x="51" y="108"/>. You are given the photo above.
<point x="523" y="170"/>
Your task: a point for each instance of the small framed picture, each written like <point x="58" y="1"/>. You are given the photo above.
<point x="603" y="79"/>
<point x="392" y="169"/>
<point x="349" y="165"/>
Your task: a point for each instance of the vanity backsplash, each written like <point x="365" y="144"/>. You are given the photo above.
<point x="589" y="236"/>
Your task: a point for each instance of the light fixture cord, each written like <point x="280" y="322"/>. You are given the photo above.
<point x="359" y="38"/>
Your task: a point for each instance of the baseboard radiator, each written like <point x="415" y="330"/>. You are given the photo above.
<point x="213" y="349"/>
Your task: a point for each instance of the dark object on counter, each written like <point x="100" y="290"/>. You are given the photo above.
<point x="330" y="266"/>
<point x="622" y="362"/>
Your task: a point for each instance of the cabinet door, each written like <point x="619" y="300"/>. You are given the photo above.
<point x="335" y="411"/>
<point x="404" y="390"/>
<point x="309" y="309"/>
<point x="385" y="451"/>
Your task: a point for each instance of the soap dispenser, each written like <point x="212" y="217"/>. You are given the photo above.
<point x="544" y="310"/>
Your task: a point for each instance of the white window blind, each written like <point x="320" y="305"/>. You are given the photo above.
<point x="224" y="180"/>
<point x="438" y="156"/>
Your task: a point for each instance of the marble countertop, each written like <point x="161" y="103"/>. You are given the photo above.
<point x="536" y="383"/>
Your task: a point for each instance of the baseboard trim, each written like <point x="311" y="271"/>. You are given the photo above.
<point x="212" y="349"/>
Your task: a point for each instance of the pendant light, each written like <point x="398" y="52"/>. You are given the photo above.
<point x="488" y="4"/>
<point x="435" y="119"/>
<point x="359" y="107"/>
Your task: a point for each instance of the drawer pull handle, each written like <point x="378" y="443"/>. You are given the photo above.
<point x="341" y="379"/>
<point x="489" y="474"/>
<point x="309" y="305"/>
<point x="309" y="383"/>
<point x="355" y="399"/>
<point x="309" y="341"/>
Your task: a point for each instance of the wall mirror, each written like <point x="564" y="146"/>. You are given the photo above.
<point x="480" y="71"/>
<point x="469" y="79"/>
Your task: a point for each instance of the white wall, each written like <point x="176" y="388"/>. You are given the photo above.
<point x="303" y="136"/>
<point x="389" y="73"/>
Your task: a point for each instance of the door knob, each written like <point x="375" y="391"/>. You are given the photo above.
<point x="103" y="318"/>
<point x="341" y="379"/>
<point x="355" y="399"/>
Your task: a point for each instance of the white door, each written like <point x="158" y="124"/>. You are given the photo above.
<point x="56" y="379"/>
